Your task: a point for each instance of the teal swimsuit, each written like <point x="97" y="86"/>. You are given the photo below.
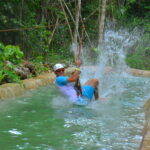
<point x="68" y="89"/>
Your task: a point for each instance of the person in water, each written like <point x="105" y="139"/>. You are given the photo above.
<point x="68" y="85"/>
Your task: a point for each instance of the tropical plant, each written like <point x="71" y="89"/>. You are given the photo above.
<point x="13" y="54"/>
<point x="9" y="57"/>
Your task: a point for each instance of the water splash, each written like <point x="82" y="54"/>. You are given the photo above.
<point x="112" y="53"/>
<point x="115" y="47"/>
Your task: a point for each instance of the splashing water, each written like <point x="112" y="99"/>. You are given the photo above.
<point x="115" y="48"/>
<point x="112" y="53"/>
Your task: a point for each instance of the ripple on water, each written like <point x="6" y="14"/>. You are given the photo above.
<point x="15" y="132"/>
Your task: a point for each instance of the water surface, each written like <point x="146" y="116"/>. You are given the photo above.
<point x="43" y="120"/>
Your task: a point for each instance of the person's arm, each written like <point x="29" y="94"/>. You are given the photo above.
<point x="78" y="63"/>
<point x="75" y="75"/>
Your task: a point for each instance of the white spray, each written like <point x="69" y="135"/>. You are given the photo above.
<point x="112" y="54"/>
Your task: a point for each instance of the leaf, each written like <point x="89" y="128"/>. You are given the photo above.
<point x="9" y="66"/>
<point x="2" y="46"/>
<point x="2" y="75"/>
<point x="94" y="49"/>
<point x="13" y="54"/>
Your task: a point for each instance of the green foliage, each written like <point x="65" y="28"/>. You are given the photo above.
<point x="1" y="46"/>
<point x="40" y="68"/>
<point x="94" y="49"/>
<point x="2" y="76"/>
<point x="60" y="55"/>
<point x="38" y="18"/>
<point x="2" y="58"/>
<point x="14" y="56"/>
<point x="38" y="63"/>
<point x="140" y="57"/>
<point x="129" y="13"/>
<point x="10" y="53"/>
<point x="45" y="38"/>
<point x="11" y="75"/>
<point x="7" y="73"/>
<point x="39" y="60"/>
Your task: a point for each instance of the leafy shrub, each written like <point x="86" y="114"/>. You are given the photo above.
<point x="7" y="74"/>
<point x="13" y="55"/>
<point x="40" y="68"/>
<point x="2" y="57"/>
<point x="38" y="59"/>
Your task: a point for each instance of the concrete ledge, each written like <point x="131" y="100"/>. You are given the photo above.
<point x="145" y="144"/>
<point x="10" y="90"/>
<point x="137" y="72"/>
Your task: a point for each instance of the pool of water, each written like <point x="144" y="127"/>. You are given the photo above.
<point x="43" y="120"/>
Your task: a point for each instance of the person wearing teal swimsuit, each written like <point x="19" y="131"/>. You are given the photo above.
<point x="66" y="86"/>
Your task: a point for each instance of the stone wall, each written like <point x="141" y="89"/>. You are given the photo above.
<point x="10" y="90"/>
<point x="145" y="144"/>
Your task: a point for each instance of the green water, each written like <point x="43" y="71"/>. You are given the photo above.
<point x="43" y="120"/>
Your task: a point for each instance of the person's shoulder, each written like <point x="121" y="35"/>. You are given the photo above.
<point x="61" y="80"/>
<point x="61" y="77"/>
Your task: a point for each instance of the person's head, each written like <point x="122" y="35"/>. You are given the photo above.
<point x="59" y="69"/>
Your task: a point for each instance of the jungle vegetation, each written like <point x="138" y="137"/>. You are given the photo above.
<point x="42" y="31"/>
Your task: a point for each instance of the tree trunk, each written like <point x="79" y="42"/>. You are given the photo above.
<point x="102" y="14"/>
<point x="76" y="35"/>
<point x="71" y="34"/>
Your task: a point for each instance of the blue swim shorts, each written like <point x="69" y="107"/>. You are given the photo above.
<point x="88" y="91"/>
